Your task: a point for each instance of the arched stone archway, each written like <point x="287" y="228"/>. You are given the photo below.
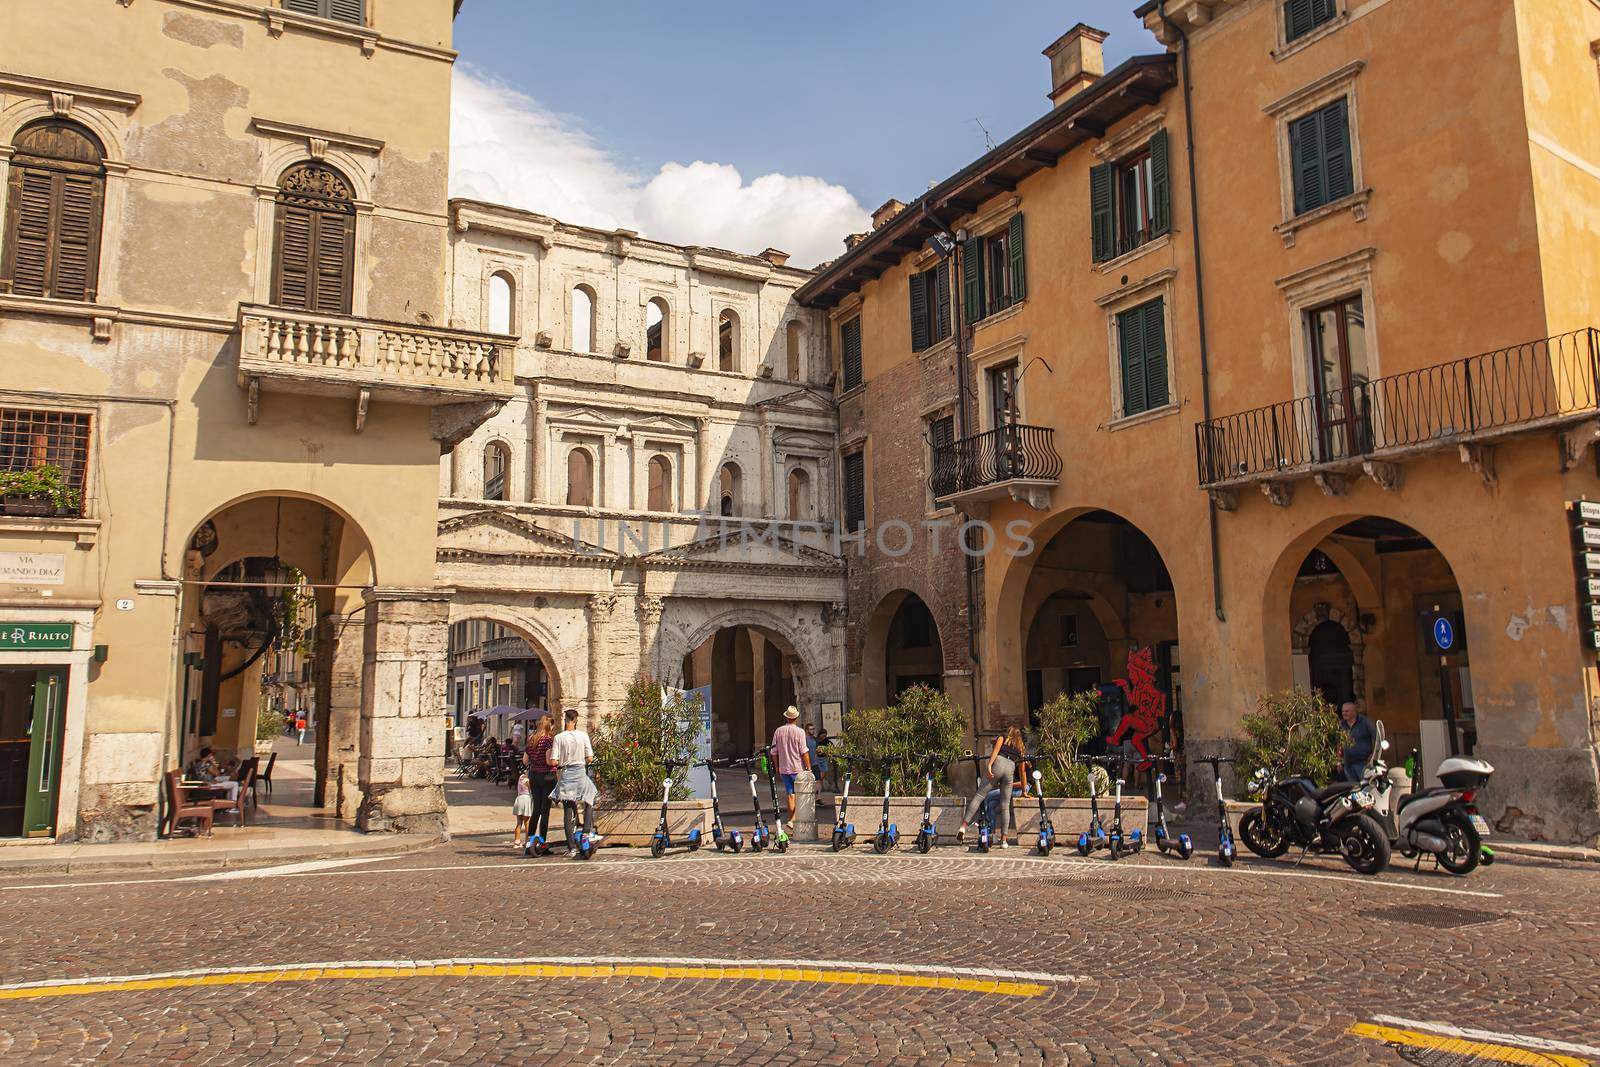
<point x="544" y="641"/>
<point x="878" y="688"/>
<point x="1308" y="623"/>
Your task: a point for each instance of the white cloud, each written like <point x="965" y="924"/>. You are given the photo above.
<point x="507" y="148"/>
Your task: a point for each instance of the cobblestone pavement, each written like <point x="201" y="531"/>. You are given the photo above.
<point x="884" y="960"/>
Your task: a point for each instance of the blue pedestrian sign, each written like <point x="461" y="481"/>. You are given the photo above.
<point x="1444" y="633"/>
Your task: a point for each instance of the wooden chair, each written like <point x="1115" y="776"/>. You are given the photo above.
<point x="182" y="807"/>
<point x="264" y="778"/>
<point x="224" y="806"/>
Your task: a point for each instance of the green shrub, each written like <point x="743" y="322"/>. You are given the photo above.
<point x="922" y="721"/>
<point x="269" y="724"/>
<point x="631" y="743"/>
<point x="1296" y="731"/>
<point x="1064" y="726"/>
<point x="45" y="480"/>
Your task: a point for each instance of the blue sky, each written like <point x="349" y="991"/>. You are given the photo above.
<point x="877" y="96"/>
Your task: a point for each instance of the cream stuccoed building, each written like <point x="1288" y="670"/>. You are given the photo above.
<point x="658" y="495"/>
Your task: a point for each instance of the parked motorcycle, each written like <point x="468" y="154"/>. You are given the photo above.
<point x="1336" y="820"/>
<point x="1441" y="822"/>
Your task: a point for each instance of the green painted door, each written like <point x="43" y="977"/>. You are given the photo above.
<point x="44" y="756"/>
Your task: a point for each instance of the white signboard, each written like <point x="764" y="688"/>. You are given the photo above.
<point x="33" y="568"/>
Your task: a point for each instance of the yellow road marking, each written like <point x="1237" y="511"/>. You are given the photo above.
<point x="997" y="987"/>
<point x="1499" y="1053"/>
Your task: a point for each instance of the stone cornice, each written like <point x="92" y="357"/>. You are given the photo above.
<point x="296" y="132"/>
<point x="88" y="94"/>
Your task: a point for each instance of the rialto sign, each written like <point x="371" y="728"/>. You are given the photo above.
<point x="33" y="568"/>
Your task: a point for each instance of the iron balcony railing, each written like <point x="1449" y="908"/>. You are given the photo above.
<point x="1007" y="453"/>
<point x="1549" y="381"/>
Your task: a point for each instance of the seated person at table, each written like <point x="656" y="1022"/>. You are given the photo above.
<point x="205" y="769"/>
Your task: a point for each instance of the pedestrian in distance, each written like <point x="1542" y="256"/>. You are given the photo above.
<point x="1360" y="736"/>
<point x="522" y="808"/>
<point x="791" y="747"/>
<point x="821" y="766"/>
<point x="300" y="729"/>
<point x="541" y="776"/>
<point x="571" y="753"/>
<point x="999" y="770"/>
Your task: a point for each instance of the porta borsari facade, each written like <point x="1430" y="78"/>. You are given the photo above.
<point x="1280" y="350"/>
<point x="222" y="323"/>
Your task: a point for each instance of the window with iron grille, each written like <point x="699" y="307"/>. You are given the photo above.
<point x="45" y="441"/>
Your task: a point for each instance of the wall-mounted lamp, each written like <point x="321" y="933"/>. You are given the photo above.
<point x="942" y="245"/>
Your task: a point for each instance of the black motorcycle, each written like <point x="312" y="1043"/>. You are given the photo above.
<point x="1336" y="820"/>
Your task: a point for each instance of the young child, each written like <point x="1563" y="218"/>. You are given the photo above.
<point x="522" y="808"/>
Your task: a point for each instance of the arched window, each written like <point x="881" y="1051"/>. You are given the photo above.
<point x="502" y="303"/>
<point x="580" y="478"/>
<point x="496" y="471"/>
<point x="660" y="493"/>
<point x="729" y="501"/>
<point x="795" y="339"/>
<point x="655" y="330"/>
<point x="799" y="495"/>
<point x="54" y="203"/>
<point x="728" y="340"/>
<point x="582" y="319"/>
<point x="314" y="243"/>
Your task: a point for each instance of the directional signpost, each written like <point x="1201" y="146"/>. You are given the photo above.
<point x="1584" y="516"/>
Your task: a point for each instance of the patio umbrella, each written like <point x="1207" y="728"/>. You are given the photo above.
<point x="498" y="709"/>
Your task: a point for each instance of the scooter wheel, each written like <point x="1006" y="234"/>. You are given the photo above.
<point x="1115" y="845"/>
<point x="1083" y="844"/>
<point x="1185" y="847"/>
<point x="924" y="842"/>
<point x="838" y="840"/>
<point x="782" y="845"/>
<point x="1225" y="854"/>
<point x="736" y="841"/>
<point x="1486" y="856"/>
<point x="880" y="844"/>
<point x="657" y="848"/>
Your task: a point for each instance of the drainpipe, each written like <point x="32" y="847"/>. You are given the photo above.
<point x="973" y="649"/>
<point x="1199" y="291"/>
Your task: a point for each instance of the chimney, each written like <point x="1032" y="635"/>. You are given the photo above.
<point x="889" y="210"/>
<point x="853" y="239"/>
<point x="776" y="256"/>
<point x="1076" y="62"/>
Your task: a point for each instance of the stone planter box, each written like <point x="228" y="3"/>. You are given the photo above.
<point x="634" y="823"/>
<point x="1069" y="815"/>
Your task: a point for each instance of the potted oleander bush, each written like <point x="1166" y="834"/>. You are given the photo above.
<point x="41" y="490"/>
<point x="1062" y="728"/>
<point x="1296" y="731"/>
<point x="920" y="722"/>
<point x="269" y="727"/>
<point x="652" y="726"/>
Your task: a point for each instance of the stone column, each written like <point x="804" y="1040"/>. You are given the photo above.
<point x="539" y="451"/>
<point x="341" y="641"/>
<point x="650" y="612"/>
<point x="768" y="507"/>
<point x="403" y="711"/>
<point x="705" y="471"/>
<point x="600" y="608"/>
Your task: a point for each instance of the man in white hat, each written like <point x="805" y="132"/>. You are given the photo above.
<point x="790" y="750"/>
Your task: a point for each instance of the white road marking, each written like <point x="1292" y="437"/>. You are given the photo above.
<point x="1468" y="1033"/>
<point x="284" y="870"/>
<point x="1252" y="871"/>
<point x="575" y="961"/>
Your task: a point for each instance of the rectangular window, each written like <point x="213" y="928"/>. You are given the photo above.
<point x="855" y="491"/>
<point x="46" y="455"/>
<point x="1300" y="17"/>
<point x="942" y="432"/>
<point x="342" y="10"/>
<point x="997" y="279"/>
<point x="1142" y="348"/>
<point x="930" y="307"/>
<point x="1336" y="335"/>
<point x="1319" y="153"/>
<point x="850" y="352"/>
<point x="1130" y="201"/>
<point x="1003" y="395"/>
<point x="993" y="272"/>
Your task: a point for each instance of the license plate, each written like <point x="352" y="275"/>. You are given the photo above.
<point x="1480" y="824"/>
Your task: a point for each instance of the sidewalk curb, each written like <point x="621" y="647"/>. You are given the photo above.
<point x="1556" y="853"/>
<point x="222" y="858"/>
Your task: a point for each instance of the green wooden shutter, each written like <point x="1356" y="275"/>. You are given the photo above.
<point x="1338" y="175"/>
<point x="1160" y="185"/>
<point x="346" y="11"/>
<point x="1102" y="211"/>
<point x="305" y="7"/>
<point x="1296" y="18"/>
<point x="1154" y="344"/>
<point x="1130" y="339"/>
<point x="941" y="302"/>
<point x="855" y="491"/>
<point x="1305" y="160"/>
<point x="28" y="215"/>
<point x="1019" y="267"/>
<point x="850" y="345"/>
<point x="919" y="311"/>
<point x="972" y="279"/>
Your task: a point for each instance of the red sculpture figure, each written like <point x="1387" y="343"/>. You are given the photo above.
<point x="1147" y="704"/>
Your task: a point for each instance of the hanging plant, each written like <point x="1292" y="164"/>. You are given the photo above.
<point x="44" y="483"/>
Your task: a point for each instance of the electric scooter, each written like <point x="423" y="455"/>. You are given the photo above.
<point x="888" y="835"/>
<point x="844" y="833"/>
<point x="1181" y="846"/>
<point x="1047" y="829"/>
<point x="760" y="837"/>
<point x="927" y="833"/>
<point x="1225" y="847"/>
<point x="1131" y="842"/>
<point x="1095" y="837"/>
<point x="781" y="841"/>
<point x="661" y="840"/>
<point x="723" y="839"/>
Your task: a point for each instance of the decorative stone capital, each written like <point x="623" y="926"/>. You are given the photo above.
<point x="601" y="605"/>
<point x="651" y="609"/>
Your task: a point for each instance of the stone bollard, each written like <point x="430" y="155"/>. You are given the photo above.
<point x="804" y="828"/>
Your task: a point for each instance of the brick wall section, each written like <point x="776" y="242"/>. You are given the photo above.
<point x="887" y="413"/>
